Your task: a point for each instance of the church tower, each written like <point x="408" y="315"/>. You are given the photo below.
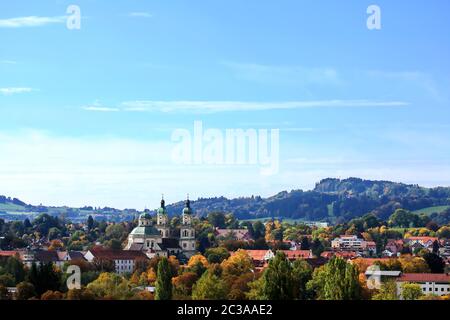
<point x="187" y="232"/>
<point x="162" y="220"/>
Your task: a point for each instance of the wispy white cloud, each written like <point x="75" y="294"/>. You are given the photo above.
<point x="7" y="62"/>
<point x="422" y="80"/>
<point x="298" y="129"/>
<point x="285" y="74"/>
<point x="11" y="91"/>
<point x="98" y="107"/>
<point x="223" y="106"/>
<point x="140" y="14"/>
<point x="30" y="21"/>
<point x="101" y="109"/>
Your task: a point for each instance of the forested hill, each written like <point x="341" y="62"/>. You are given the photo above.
<point x="332" y="200"/>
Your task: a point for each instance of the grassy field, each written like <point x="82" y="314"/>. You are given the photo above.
<point x="431" y="210"/>
<point x="11" y="207"/>
<point x="330" y="210"/>
<point x="288" y="220"/>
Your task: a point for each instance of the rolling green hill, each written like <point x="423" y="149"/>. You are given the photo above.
<point x="430" y="210"/>
<point x="332" y="200"/>
<point x="11" y="207"/>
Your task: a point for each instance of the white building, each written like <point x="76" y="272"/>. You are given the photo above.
<point x="431" y="283"/>
<point x="124" y="261"/>
<point x="347" y="242"/>
<point x="353" y="243"/>
<point x="316" y="224"/>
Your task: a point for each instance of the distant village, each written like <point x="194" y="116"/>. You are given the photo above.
<point x="195" y="246"/>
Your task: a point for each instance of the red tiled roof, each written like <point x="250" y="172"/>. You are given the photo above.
<point x="239" y="234"/>
<point x="425" y="277"/>
<point x="370" y="261"/>
<point x="327" y="254"/>
<point x="296" y="254"/>
<point x="395" y="242"/>
<point x="424" y="239"/>
<point x="117" y="254"/>
<point x="346" y="254"/>
<point x="257" y="254"/>
<point x="340" y="254"/>
<point x="8" y="253"/>
<point x="45" y="256"/>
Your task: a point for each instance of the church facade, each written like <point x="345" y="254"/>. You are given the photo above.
<point x="157" y="240"/>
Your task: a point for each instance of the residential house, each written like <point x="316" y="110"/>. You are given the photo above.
<point x="260" y="257"/>
<point x="4" y="255"/>
<point x="235" y="234"/>
<point x="346" y="255"/>
<point x="39" y="257"/>
<point x="444" y="250"/>
<point x="66" y="256"/>
<point x="293" y="255"/>
<point x="393" y="248"/>
<point x="421" y="242"/>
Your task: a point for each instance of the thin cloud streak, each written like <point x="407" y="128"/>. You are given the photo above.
<point x="11" y="91"/>
<point x="227" y="106"/>
<point x="140" y="15"/>
<point x="30" y="21"/>
<point x="101" y="109"/>
<point x="422" y="80"/>
<point x="285" y="74"/>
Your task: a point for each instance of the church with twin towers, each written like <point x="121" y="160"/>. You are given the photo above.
<point x="159" y="239"/>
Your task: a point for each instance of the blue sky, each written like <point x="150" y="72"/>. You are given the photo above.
<point x="83" y="120"/>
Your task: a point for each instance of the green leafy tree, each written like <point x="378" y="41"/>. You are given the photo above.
<point x="80" y="294"/>
<point x="163" y="281"/>
<point x="27" y="224"/>
<point x="337" y="280"/>
<point x="317" y="247"/>
<point x="278" y="283"/>
<point x="209" y="287"/>
<point x="7" y="280"/>
<point x="115" y="231"/>
<point x="388" y="291"/>
<point x="110" y="286"/>
<point x="3" y="293"/>
<point x="217" y="219"/>
<point x="301" y="274"/>
<point x="435" y="263"/>
<point x="44" y="278"/>
<point x="444" y="232"/>
<point x="44" y="222"/>
<point x="216" y="255"/>
<point x="114" y="244"/>
<point x="403" y="219"/>
<point x="258" y="230"/>
<point x="304" y="245"/>
<point x="90" y="223"/>
<point x="182" y="285"/>
<point x="256" y="290"/>
<point x="54" y="233"/>
<point x="25" y="291"/>
<point x="411" y="291"/>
